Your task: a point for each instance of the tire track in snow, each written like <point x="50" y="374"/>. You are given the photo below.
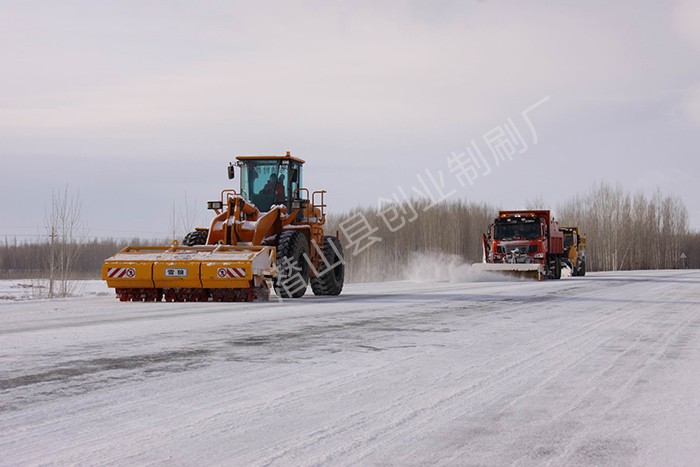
<point x="576" y="443"/>
<point x="521" y="366"/>
<point x="592" y="384"/>
<point x="622" y="319"/>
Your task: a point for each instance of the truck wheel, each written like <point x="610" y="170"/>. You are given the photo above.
<point x="554" y="267"/>
<point x="292" y="265"/>
<point x="582" y="271"/>
<point x="198" y="237"/>
<point x="332" y="272"/>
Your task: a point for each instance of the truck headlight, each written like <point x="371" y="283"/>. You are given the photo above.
<point x="539" y="256"/>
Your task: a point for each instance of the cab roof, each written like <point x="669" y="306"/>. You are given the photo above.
<point x="287" y="157"/>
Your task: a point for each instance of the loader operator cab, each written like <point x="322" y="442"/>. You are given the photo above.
<point x="570" y="240"/>
<point x="569" y="237"/>
<point x="267" y="181"/>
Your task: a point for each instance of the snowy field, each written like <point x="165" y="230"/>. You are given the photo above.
<point x="34" y="289"/>
<point x="600" y="370"/>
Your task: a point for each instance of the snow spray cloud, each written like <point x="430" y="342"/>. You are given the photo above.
<point x="442" y="267"/>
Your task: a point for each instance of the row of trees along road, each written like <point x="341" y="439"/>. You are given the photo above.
<point x="625" y="231"/>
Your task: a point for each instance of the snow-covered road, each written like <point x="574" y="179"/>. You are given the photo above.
<point x="601" y="370"/>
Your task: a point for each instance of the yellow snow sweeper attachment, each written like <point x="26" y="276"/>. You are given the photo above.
<point x="191" y="273"/>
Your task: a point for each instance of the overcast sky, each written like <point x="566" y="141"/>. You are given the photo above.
<point x="137" y="104"/>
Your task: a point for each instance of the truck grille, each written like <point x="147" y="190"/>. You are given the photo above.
<point x="523" y="249"/>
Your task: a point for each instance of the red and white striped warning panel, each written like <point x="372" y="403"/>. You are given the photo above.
<point x="121" y="273"/>
<point x="235" y="273"/>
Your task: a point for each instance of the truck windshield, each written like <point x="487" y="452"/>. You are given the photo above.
<point x="517" y="230"/>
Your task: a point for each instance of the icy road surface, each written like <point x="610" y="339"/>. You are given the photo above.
<point x="601" y="370"/>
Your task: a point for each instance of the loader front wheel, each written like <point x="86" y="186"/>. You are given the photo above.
<point x="292" y="265"/>
<point x="198" y="237"/>
<point x="331" y="272"/>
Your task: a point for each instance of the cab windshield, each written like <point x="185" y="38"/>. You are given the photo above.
<point x="568" y="240"/>
<point x="265" y="183"/>
<point x="517" y="229"/>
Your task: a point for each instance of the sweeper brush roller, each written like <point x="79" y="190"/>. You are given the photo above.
<point x="191" y="273"/>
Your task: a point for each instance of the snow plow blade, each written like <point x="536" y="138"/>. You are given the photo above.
<point x="191" y="273"/>
<point x="525" y="271"/>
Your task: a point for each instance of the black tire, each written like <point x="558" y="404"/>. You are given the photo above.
<point x="198" y="237"/>
<point x="292" y="264"/>
<point x="582" y="271"/>
<point x="330" y="281"/>
<point x="577" y="270"/>
<point x="554" y="265"/>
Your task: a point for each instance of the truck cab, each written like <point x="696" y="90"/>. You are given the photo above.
<point x="525" y="237"/>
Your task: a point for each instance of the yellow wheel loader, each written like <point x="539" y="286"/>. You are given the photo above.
<point x="575" y="250"/>
<point x="269" y="232"/>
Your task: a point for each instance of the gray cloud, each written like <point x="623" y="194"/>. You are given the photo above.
<point x="159" y="98"/>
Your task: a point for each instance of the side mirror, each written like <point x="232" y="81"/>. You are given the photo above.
<point x="295" y="174"/>
<point x="231" y="172"/>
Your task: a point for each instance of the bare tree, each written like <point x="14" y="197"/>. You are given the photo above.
<point x="184" y="217"/>
<point x="535" y="203"/>
<point x="190" y="215"/>
<point x="66" y="232"/>
<point x="173" y="222"/>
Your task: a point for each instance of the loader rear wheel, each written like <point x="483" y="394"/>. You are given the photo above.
<point x="332" y="272"/>
<point x="292" y="265"/>
<point x="198" y="237"/>
<point x="582" y="271"/>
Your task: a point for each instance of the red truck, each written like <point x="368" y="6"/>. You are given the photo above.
<point x="524" y="243"/>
